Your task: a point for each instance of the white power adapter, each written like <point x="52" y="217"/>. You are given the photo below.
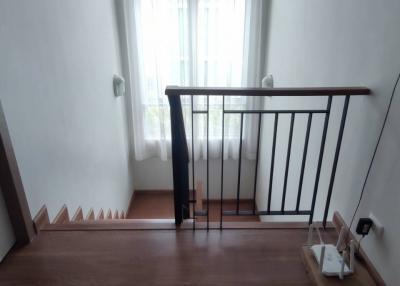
<point x="377" y="226"/>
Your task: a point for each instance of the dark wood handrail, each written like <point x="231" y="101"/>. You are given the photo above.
<point x="250" y="91"/>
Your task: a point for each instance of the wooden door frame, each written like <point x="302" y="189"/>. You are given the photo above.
<point x="13" y="189"/>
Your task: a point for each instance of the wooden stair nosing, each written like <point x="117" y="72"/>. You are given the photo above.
<point x="78" y="216"/>
<point x="90" y="215"/>
<point x="41" y="219"/>
<point x="100" y="215"/>
<point x="62" y="216"/>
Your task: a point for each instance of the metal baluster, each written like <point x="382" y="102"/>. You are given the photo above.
<point x="335" y="161"/>
<point x="194" y="191"/>
<point x="256" y="170"/>
<point x="321" y="155"/>
<point x="303" y="163"/>
<point x="240" y="164"/>
<point x="222" y="162"/>
<point x="208" y="186"/>
<point x="271" y="173"/>
<point x="289" y="149"/>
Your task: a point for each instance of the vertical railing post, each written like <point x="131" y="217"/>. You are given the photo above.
<point x="321" y="156"/>
<point x="257" y="156"/>
<point x="208" y="163"/>
<point x="222" y="162"/>
<point x="193" y="177"/>
<point x="289" y="150"/>
<point x="271" y="171"/>
<point x="239" y="164"/>
<point x="303" y="162"/>
<point x="336" y="158"/>
<point x="180" y="159"/>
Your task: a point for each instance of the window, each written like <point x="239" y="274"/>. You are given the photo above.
<point x="185" y="43"/>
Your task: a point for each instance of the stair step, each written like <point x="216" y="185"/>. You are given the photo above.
<point x="90" y="215"/>
<point x="100" y="215"/>
<point x="120" y="220"/>
<point x="62" y="216"/>
<point x="41" y="219"/>
<point x="78" y="216"/>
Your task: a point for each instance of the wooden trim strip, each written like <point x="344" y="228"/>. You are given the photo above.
<point x="169" y="224"/>
<point x="41" y="219"/>
<point x="154" y="192"/>
<point x="62" y="216"/>
<point x="13" y="189"/>
<point x="78" y="216"/>
<point x="338" y="222"/>
<point x="292" y="91"/>
<point x="100" y="215"/>
<point x="228" y="201"/>
<point x="199" y="194"/>
<point x="90" y="215"/>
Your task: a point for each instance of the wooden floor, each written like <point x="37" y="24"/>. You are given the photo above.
<point x="151" y="205"/>
<point x="160" y="205"/>
<point x="160" y="257"/>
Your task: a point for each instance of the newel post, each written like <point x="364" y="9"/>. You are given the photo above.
<point x="180" y="159"/>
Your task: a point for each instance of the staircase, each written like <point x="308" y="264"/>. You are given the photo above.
<point x="109" y="220"/>
<point x="118" y="220"/>
<point x="42" y="220"/>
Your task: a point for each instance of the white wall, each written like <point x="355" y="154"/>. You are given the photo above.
<point x="336" y="43"/>
<point x="68" y="130"/>
<point x="154" y="174"/>
<point x="7" y="238"/>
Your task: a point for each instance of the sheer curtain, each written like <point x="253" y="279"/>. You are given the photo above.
<point x="193" y="43"/>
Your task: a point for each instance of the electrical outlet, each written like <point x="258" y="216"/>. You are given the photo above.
<point x="377" y="226"/>
<point x="363" y="226"/>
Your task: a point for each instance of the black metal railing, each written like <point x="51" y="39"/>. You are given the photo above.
<point x="180" y="156"/>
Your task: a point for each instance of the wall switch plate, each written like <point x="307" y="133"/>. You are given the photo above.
<point x="377" y="226"/>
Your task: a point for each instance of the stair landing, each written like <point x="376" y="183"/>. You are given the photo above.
<point x="160" y="205"/>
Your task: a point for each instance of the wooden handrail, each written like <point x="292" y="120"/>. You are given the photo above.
<point x="290" y="91"/>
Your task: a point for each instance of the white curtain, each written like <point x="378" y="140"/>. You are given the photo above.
<point x="193" y="43"/>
